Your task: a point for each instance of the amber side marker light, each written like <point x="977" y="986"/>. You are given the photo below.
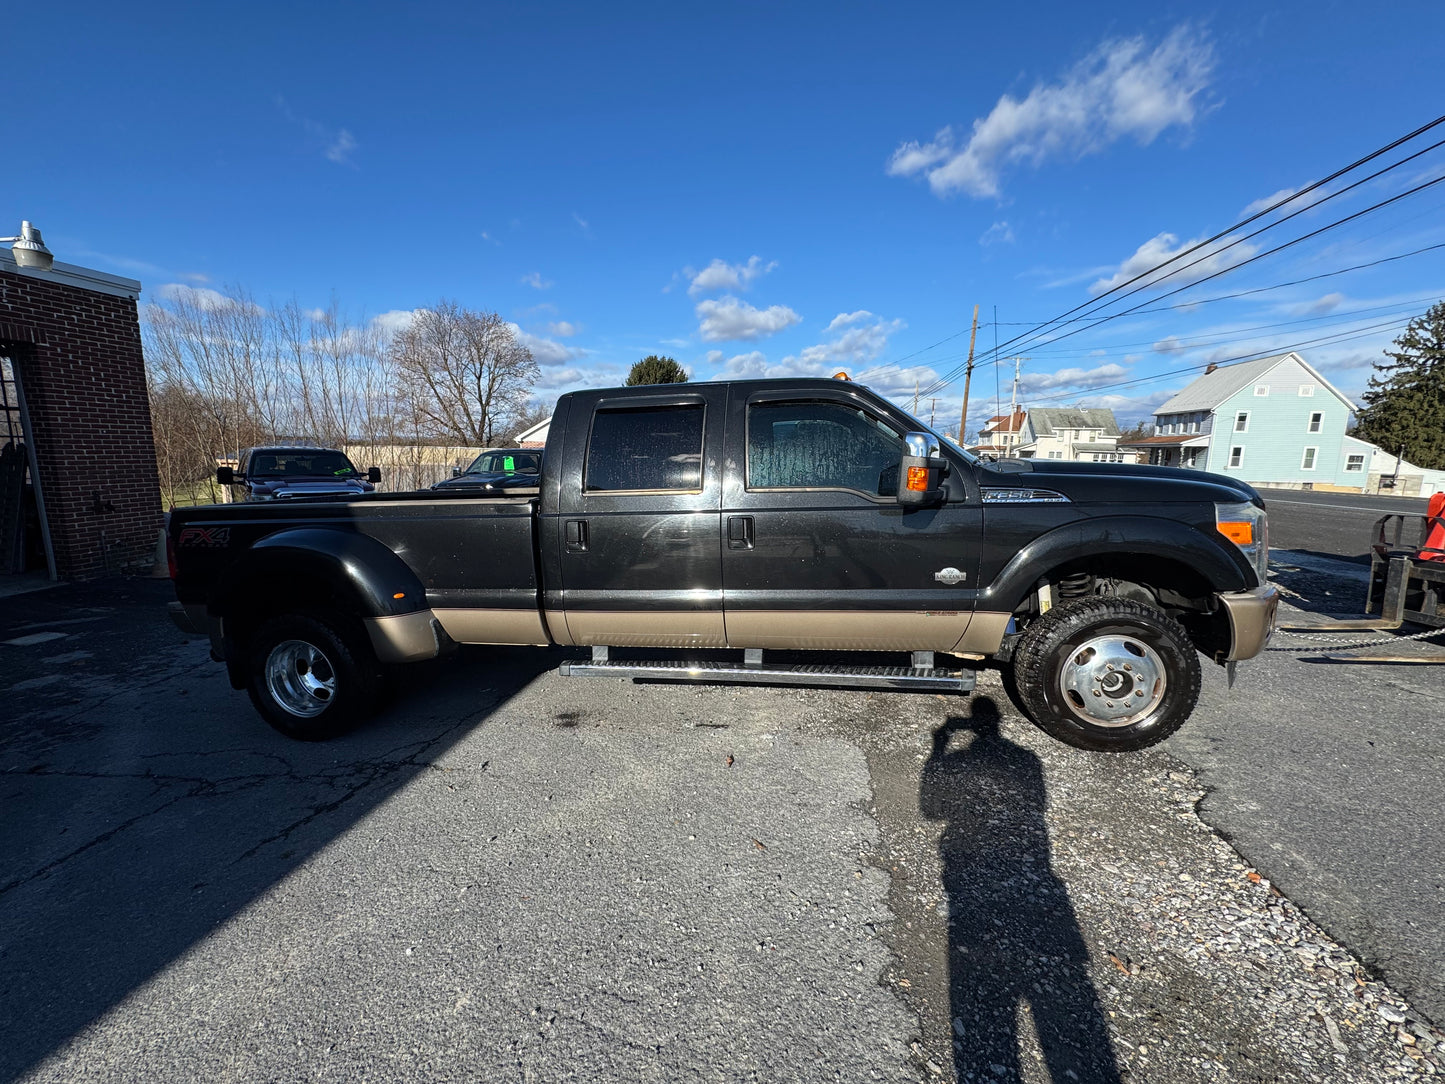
<point x="1241" y="533"/>
<point x="399" y="594"/>
<point x="918" y="478"/>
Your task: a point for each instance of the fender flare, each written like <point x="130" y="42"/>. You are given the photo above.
<point x="372" y="574"/>
<point x="1117" y="535"/>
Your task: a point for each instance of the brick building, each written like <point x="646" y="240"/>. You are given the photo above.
<point x="79" y="475"/>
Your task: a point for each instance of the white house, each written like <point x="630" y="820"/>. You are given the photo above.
<point x="1087" y="434"/>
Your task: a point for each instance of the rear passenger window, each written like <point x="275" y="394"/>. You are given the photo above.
<point x="647" y="448"/>
<point x="821" y="445"/>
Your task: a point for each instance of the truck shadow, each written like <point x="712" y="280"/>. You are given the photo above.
<point x="129" y="840"/>
<point x="1015" y="951"/>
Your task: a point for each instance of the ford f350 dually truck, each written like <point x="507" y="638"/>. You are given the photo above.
<point x="767" y="518"/>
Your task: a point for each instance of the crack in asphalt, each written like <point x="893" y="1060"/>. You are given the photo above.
<point x="355" y="778"/>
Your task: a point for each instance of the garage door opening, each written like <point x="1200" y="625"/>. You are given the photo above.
<point x="25" y="548"/>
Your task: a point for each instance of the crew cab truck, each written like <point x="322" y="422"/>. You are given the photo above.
<point x="763" y="517"/>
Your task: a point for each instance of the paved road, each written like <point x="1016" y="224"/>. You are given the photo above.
<point x="512" y="876"/>
<point x="1327" y="776"/>
<point x="1333" y="524"/>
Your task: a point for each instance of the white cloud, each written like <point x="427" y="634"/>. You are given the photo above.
<point x="339" y="149"/>
<point x="1169" y="345"/>
<point x="582" y="223"/>
<point x="750" y="366"/>
<point x="546" y="351"/>
<point x="394" y="320"/>
<point x="730" y="318"/>
<point x="1166" y="246"/>
<point x="721" y="275"/>
<point x="844" y="319"/>
<point x="535" y="280"/>
<point x="1122" y="89"/>
<point x="1290" y="207"/>
<point x="563" y="329"/>
<point x="1328" y="303"/>
<point x="336" y="143"/>
<point x="1000" y="233"/>
<point x="203" y="297"/>
<point x="1107" y="373"/>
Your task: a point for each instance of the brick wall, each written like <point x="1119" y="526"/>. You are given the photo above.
<point x="78" y="353"/>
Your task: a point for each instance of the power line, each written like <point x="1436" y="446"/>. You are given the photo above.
<point x="1253" y="355"/>
<point x="1098" y="302"/>
<point x="1033" y="337"/>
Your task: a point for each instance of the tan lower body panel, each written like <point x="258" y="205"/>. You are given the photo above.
<point x="645" y="628"/>
<point x="985" y="633"/>
<point x="468" y="626"/>
<point x="404" y="637"/>
<point x="850" y="630"/>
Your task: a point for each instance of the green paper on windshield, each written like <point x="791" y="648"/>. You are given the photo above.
<point x="508" y="463"/>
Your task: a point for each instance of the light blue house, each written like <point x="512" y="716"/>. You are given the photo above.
<point x="1271" y="422"/>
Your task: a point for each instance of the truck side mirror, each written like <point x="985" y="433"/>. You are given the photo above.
<point x="373" y="475"/>
<point x="456" y="472"/>
<point x="226" y="476"/>
<point x="920" y="471"/>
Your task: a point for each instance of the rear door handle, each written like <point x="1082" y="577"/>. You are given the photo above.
<point x="576" y="534"/>
<point x="740" y="532"/>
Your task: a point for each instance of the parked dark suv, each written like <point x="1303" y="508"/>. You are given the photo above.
<point x="499" y="469"/>
<point x="265" y="474"/>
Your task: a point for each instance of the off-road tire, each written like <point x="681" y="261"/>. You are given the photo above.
<point x="1064" y="685"/>
<point x="325" y="658"/>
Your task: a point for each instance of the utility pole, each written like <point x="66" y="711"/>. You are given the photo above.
<point x="932" y="406"/>
<point x="915" y="398"/>
<point x="967" y="377"/>
<point x="1013" y="405"/>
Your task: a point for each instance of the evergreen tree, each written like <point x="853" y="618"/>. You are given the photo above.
<point x="656" y="370"/>
<point x="1405" y="402"/>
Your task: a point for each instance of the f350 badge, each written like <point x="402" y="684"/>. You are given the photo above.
<point x="205" y="536"/>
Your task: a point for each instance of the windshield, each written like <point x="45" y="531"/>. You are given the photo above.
<point x="507" y="461"/>
<point x="301" y="463"/>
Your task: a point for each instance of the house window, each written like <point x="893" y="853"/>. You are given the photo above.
<point x="1236" y="455"/>
<point x="1241" y="422"/>
<point x="1306" y="391"/>
<point x="1308" y="462"/>
<point x="1315" y="420"/>
<point x="1355" y="463"/>
<point x="1261" y="391"/>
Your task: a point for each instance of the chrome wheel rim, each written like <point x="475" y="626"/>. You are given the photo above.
<point x="300" y="678"/>
<point x="1113" y="680"/>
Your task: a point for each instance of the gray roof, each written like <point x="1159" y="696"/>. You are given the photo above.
<point x="1211" y="389"/>
<point x="1046" y="419"/>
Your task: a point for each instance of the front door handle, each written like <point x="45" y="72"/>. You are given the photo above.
<point x="576" y="534"/>
<point x="740" y="532"/>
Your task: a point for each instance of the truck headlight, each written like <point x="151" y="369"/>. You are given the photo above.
<point x="1246" y="525"/>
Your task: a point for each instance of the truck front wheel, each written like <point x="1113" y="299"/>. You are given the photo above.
<point x="1107" y="674"/>
<point x="307" y="679"/>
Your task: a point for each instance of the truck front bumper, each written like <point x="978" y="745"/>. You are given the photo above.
<point x="1251" y="620"/>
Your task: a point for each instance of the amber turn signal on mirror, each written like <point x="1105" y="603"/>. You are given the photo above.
<point x="918" y="479"/>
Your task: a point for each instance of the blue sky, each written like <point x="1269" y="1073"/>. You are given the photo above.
<point x="751" y="189"/>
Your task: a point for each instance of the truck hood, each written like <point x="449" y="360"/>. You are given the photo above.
<point x="1117" y="483"/>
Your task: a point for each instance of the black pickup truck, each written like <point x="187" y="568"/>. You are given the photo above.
<point x="808" y="519"/>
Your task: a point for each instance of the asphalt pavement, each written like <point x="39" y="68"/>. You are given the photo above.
<point x="1329" y="524"/>
<point x="508" y="875"/>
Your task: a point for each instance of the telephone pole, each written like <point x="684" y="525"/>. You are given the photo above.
<point x="967" y="378"/>
<point x="1014" y="399"/>
<point x="932" y="406"/>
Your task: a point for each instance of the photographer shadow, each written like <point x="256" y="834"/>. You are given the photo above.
<point x="1015" y="949"/>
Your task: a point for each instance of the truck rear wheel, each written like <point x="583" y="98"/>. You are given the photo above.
<point x="1107" y="674"/>
<point x="307" y="679"/>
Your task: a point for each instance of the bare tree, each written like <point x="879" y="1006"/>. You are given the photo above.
<point x="462" y="372"/>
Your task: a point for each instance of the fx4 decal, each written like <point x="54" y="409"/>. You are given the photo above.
<point x="205" y="536"/>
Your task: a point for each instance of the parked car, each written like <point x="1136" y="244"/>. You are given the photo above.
<point x="498" y="469"/>
<point x="280" y="473"/>
<point x="758" y="516"/>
